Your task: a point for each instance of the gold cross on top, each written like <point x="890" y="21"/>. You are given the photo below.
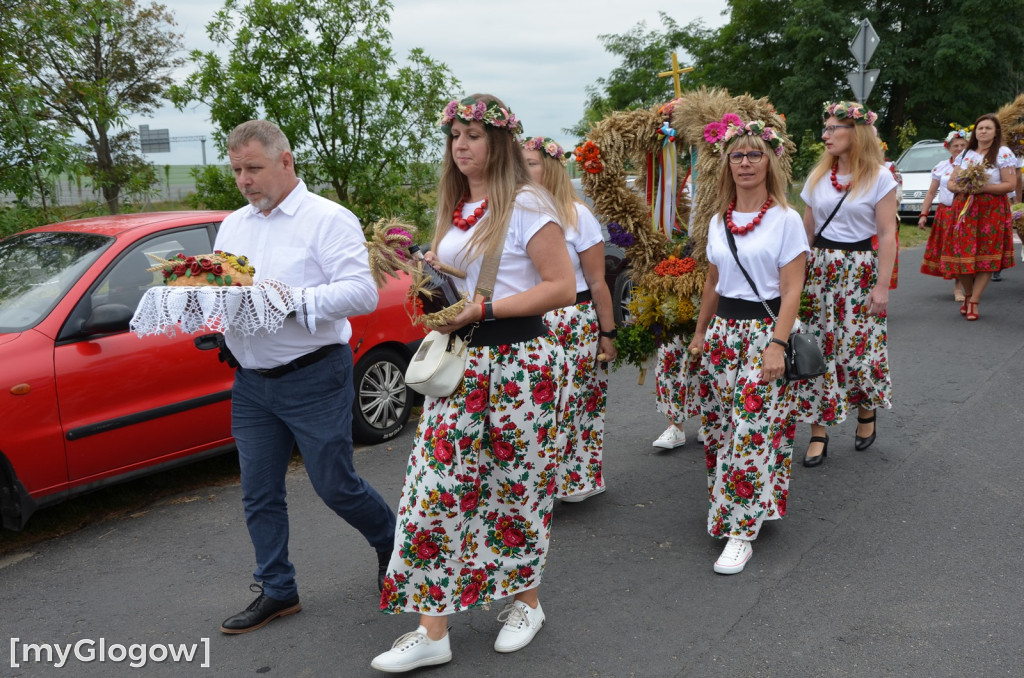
<point x="675" y="73"/>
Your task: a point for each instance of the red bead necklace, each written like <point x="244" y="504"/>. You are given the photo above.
<point x="742" y="230"/>
<point x="838" y="186"/>
<point x="470" y="221"/>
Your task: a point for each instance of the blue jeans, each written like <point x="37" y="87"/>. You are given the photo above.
<point x="312" y="407"/>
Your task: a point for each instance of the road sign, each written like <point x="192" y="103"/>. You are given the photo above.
<point x="154" y="140"/>
<point x="864" y="43"/>
<point x="861" y="82"/>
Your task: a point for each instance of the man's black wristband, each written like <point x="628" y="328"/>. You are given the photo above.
<point x="610" y="334"/>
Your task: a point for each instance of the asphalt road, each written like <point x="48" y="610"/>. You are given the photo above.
<point x="903" y="560"/>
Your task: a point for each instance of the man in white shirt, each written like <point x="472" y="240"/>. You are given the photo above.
<point x="294" y="387"/>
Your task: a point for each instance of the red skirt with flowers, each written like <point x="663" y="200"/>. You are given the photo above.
<point x="980" y="238"/>
<point x="748" y="427"/>
<point x="854" y="343"/>
<point x="581" y="426"/>
<point x="932" y="263"/>
<point x="475" y="515"/>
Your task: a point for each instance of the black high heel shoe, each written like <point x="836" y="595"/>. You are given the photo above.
<point x="816" y="461"/>
<point x="861" y="444"/>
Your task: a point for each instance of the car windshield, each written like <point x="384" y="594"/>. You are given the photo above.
<point x="922" y="159"/>
<point x="38" y="269"/>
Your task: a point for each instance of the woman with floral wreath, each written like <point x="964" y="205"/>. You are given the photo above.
<point x="955" y="143"/>
<point x="850" y="197"/>
<point x="756" y="256"/>
<point x="474" y="517"/>
<point x="980" y="241"/>
<point x="585" y="329"/>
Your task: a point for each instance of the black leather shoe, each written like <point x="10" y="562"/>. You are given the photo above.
<point x="260" y="612"/>
<point x="383" y="558"/>
<point x="861" y="444"/>
<point x="816" y="461"/>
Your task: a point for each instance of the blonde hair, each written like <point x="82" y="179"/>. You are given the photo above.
<point x="866" y="160"/>
<point x="775" y="178"/>
<point x="555" y="180"/>
<point x="505" y="174"/>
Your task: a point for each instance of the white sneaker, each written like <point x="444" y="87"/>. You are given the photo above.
<point x="734" y="556"/>
<point x="412" y="651"/>
<point x="572" y="498"/>
<point x="672" y="438"/>
<point x="521" y="624"/>
<point x="700" y="435"/>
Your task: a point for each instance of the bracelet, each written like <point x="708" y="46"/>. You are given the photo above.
<point x="483" y="309"/>
<point x="780" y="342"/>
<point x="611" y="334"/>
<point x="488" y="311"/>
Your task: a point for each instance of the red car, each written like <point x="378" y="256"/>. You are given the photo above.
<point x="87" y="403"/>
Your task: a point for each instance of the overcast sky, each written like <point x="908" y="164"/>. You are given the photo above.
<point x="536" y="55"/>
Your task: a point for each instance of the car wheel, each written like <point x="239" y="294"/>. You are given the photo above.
<point x="621" y="296"/>
<point x="382" y="400"/>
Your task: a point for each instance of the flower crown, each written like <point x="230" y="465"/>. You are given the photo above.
<point x="487" y="112"/>
<point x="545" y="145"/>
<point x="723" y="132"/>
<point x="958" y="133"/>
<point x="849" y="110"/>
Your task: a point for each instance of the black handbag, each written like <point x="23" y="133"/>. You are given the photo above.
<point x="803" y="355"/>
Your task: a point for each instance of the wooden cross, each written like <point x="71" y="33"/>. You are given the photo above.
<point x="675" y="73"/>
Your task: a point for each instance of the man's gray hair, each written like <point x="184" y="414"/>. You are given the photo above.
<point x="263" y="131"/>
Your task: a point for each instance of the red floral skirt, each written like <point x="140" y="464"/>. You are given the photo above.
<point x="980" y="238"/>
<point x="932" y="263"/>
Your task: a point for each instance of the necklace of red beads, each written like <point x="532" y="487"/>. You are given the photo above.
<point x="470" y="221"/>
<point x="838" y="186"/>
<point x="742" y="230"/>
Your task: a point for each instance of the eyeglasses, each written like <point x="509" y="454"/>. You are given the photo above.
<point x="753" y="156"/>
<point x="831" y="129"/>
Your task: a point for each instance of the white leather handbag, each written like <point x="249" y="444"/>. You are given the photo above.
<point x="439" y="365"/>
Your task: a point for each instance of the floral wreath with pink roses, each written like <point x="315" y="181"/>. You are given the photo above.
<point x="487" y="112"/>
<point x="849" y="110"/>
<point x="721" y="133"/>
<point x="546" y="145"/>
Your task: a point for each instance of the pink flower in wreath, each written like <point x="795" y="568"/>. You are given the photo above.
<point x="713" y="132"/>
<point x="732" y="119"/>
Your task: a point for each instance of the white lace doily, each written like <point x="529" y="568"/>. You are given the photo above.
<point x="260" y="309"/>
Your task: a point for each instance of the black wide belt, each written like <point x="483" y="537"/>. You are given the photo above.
<point x="583" y="297"/>
<point x="505" y="331"/>
<point x="300" y="362"/>
<point x="823" y="243"/>
<point x="743" y="309"/>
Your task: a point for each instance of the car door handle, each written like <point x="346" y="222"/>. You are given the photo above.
<point x="207" y="342"/>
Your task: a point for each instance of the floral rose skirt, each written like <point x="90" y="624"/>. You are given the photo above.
<point x="981" y="241"/>
<point x="474" y="518"/>
<point x="670" y="380"/>
<point x="748" y="429"/>
<point x="853" y="343"/>
<point x="581" y="427"/>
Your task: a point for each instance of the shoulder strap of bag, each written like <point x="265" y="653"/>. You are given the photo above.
<point x="489" y="267"/>
<point x="829" y="220"/>
<point x="736" y="256"/>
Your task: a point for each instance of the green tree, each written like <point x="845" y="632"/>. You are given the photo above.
<point x="634" y="83"/>
<point x="323" y="71"/>
<point x="215" y="189"/>
<point x="940" y="60"/>
<point x="90" y="64"/>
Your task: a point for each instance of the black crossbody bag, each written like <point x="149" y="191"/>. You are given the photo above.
<point x="803" y="355"/>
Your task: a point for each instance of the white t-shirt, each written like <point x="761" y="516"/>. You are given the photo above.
<point x="1004" y="158"/>
<point x="580" y="239"/>
<point x="941" y="174"/>
<point x="855" y="220"/>
<point x="516" y="272"/>
<point x="776" y="241"/>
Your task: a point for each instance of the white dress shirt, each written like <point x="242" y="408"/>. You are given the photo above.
<point x="315" y="246"/>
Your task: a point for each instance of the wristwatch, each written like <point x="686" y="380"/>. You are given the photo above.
<point x="610" y="334"/>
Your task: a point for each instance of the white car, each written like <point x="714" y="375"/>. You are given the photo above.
<point x="915" y="165"/>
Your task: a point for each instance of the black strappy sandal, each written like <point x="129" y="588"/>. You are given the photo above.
<point x="861" y="444"/>
<point x="810" y="462"/>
